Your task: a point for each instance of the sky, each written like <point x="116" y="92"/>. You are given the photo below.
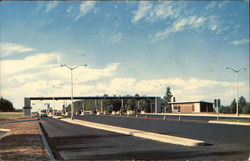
<point x="129" y="47"/>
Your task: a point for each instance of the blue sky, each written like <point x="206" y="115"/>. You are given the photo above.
<point x="130" y="47"/>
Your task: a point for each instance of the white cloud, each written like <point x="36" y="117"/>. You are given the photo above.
<point x="84" y="74"/>
<point x="218" y="4"/>
<point x="29" y="76"/>
<point x="163" y="11"/>
<point x="85" y="7"/>
<point x="118" y="86"/>
<point x="9" y="48"/>
<point x="213" y="24"/>
<point x="117" y="37"/>
<point x="179" y="17"/>
<point x="240" y="42"/>
<point x="222" y="4"/>
<point x="191" y="22"/>
<point x="9" y="67"/>
<point x="33" y="83"/>
<point x="51" y="5"/>
<point x="211" y="5"/>
<point x="183" y="89"/>
<point x="143" y="8"/>
<point x="69" y="9"/>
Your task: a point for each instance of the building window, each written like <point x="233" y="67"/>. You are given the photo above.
<point x="177" y="108"/>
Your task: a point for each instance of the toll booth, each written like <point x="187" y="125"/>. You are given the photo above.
<point x="27" y="107"/>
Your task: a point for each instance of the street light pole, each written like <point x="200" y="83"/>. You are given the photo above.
<point x="237" y="88"/>
<point x="53" y="86"/>
<point x="71" y="72"/>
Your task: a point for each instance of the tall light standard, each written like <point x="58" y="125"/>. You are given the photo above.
<point x="71" y="72"/>
<point x="54" y="86"/>
<point x="236" y="77"/>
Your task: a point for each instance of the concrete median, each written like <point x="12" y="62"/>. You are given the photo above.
<point x="229" y="123"/>
<point x="139" y="133"/>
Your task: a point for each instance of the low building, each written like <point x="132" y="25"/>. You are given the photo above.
<point x="191" y="107"/>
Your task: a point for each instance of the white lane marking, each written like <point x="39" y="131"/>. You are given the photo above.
<point x="139" y="133"/>
<point x="229" y="123"/>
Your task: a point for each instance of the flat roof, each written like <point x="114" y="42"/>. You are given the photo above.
<point x="91" y="97"/>
<point x="186" y="102"/>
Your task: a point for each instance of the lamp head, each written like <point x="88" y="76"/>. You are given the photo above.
<point x="62" y="65"/>
<point x="226" y="67"/>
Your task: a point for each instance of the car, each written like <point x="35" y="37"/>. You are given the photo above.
<point x="44" y="115"/>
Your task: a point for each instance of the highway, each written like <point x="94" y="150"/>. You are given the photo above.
<point x="226" y="142"/>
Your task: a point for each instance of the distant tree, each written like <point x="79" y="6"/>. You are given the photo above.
<point x="137" y="95"/>
<point x="77" y="105"/>
<point x="18" y="110"/>
<point x="246" y="109"/>
<point x="63" y="108"/>
<point x="105" y="95"/>
<point x="6" y="105"/>
<point x="117" y="104"/>
<point x="242" y="102"/>
<point x="224" y="109"/>
<point x="68" y="108"/>
<point x="145" y="105"/>
<point x="131" y="104"/>
<point x="166" y="100"/>
<point x="233" y="107"/>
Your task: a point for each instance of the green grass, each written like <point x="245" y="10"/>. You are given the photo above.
<point x="236" y="120"/>
<point x="11" y="115"/>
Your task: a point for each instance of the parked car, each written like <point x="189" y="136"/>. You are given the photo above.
<point x="44" y="115"/>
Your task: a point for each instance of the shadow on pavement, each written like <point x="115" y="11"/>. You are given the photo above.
<point x="80" y="139"/>
<point x="160" y="155"/>
<point x="76" y="143"/>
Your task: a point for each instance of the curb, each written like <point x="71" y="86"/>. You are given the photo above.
<point x="7" y="133"/>
<point x="139" y="133"/>
<point x="45" y="143"/>
<point x="228" y="123"/>
<point x="7" y="130"/>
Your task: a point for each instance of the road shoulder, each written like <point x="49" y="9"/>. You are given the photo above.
<point x="23" y="142"/>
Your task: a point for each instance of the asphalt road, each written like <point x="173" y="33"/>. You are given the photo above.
<point x="78" y="142"/>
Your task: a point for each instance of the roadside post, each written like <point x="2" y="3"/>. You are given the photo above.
<point x="217" y="106"/>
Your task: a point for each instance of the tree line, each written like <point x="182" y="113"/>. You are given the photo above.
<point x="144" y="104"/>
<point x="135" y="104"/>
<point x="6" y="105"/>
<point x="244" y="107"/>
<point x="110" y="105"/>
